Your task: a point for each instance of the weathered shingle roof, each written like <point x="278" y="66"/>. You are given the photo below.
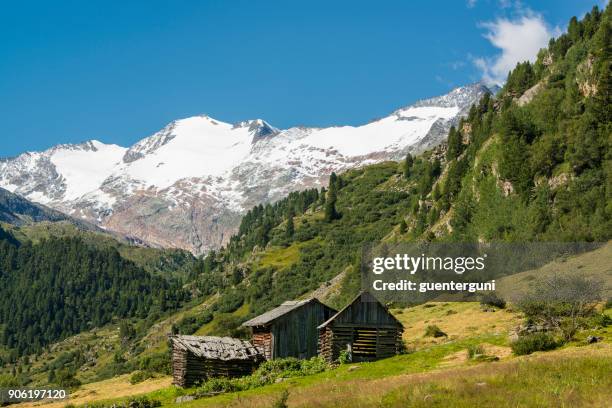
<point x="216" y="348"/>
<point x="277" y="312"/>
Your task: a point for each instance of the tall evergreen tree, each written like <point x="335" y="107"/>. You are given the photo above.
<point x="455" y="144"/>
<point x="290" y="226"/>
<point x="408" y="165"/>
<point x="330" y="202"/>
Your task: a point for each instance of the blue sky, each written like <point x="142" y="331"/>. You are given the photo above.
<point x="117" y="71"/>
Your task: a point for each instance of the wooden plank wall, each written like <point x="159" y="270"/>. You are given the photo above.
<point x="296" y="334"/>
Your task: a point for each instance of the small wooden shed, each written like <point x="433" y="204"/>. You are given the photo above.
<point x="198" y="358"/>
<point x="365" y="328"/>
<point x="289" y="330"/>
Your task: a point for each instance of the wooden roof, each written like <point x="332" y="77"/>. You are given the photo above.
<point x="364" y="309"/>
<point x="216" y="348"/>
<point x="279" y="311"/>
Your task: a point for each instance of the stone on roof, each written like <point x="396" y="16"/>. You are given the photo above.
<point x="216" y="348"/>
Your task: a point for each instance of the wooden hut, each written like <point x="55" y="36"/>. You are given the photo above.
<point x="197" y="358"/>
<point x="365" y="328"/>
<point x="289" y="330"/>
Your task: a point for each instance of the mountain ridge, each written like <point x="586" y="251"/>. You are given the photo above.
<point x="187" y="184"/>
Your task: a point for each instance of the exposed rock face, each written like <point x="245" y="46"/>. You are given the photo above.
<point x="526" y="97"/>
<point x="188" y="184"/>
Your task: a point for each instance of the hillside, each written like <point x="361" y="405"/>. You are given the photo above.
<point x="435" y="369"/>
<point x="16" y="210"/>
<point x="532" y="164"/>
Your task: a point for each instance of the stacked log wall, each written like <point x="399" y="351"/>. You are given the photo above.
<point x="189" y="370"/>
<point x="367" y="343"/>
<point x="262" y="338"/>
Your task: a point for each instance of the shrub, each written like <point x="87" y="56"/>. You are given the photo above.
<point x="140" y="376"/>
<point x="492" y="299"/>
<point x="562" y="302"/>
<point x="534" y="342"/>
<point x="267" y="373"/>
<point x="142" y="402"/>
<point x="65" y="378"/>
<point x="230" y="326"/>
<point x="434" y="331"/>
<point x="344" y="357"/>
<point x="218" y="384"/>
<point x="281" y="402"/>
<point x="602" y="320"/>
<point x="475" y="350"/>
<point x="158" y="362"/>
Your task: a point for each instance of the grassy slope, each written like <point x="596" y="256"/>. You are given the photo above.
<point x="438" y="367"/>
<point x="594" y="264"/>
<point x="461" y="321"/>
<point x="438" y="372"/>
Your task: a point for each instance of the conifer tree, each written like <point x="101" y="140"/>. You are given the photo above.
<point x="330" y="202"/>
<point x="408" y="165"/>
<point x="454" y="144"/>
<point x="403" y="227"/>
<point x="290" y="226"/>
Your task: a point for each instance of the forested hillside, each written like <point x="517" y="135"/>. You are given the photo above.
<point x="531" y="163"/>
<point x="62" y="286"/>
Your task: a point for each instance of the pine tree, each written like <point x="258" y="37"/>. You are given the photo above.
<point x="408" y="165"/>
<point x="290" y="226"/>
<point x="322" y="196"/>
<point x="403" y="227"/>
<point x="330" y="202"/>
<point x="455" y="144"/>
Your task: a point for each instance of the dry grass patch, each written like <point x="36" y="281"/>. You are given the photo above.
<point x="459" y="320"/>
<point x="117" y="387"/>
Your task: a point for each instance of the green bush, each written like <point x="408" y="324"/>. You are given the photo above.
<point x="434" y="331"/>
<point x="267" y="373"/>
<point x="344" y="357"/>
<point x="140" y="376"/>
<point x="142" y="402"/>
<point x="475" y="350"/>
<point x="219" y="384"/>
<point x="158" y="362"/>
<point x="602" y="320"/>
<point x="492" y="299"/>
<point x="281" y="402"/>
<point x="65" y="378"/>
<point x="534" y="342"/>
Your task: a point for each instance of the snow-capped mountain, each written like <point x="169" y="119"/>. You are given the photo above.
<point x="188" y="184"/>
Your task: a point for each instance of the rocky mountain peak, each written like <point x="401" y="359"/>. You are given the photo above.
<point x="188" y="184"/>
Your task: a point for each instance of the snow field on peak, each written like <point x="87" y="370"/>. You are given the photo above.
<point x="201" y="147"/>
<point x="85" y="170"/>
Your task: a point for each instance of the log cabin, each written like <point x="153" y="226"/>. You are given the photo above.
<point x="198" y="358"/>
<point x="364" y="328"/>
<point x="289" y="330"/>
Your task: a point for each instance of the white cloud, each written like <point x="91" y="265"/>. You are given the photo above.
<point x="519" y="40"/>
<point x="471" y="3"/>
